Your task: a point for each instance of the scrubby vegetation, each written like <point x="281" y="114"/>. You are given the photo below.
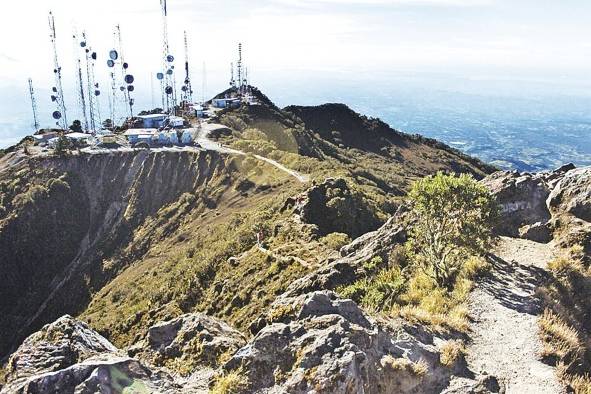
<point x="429" y="279"/>
<point x="232" y="382"/>
<point x="565" y="324"/>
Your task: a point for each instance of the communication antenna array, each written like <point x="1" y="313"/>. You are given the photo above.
<point x="57" y="95"/>
<point x="33" y="105"/>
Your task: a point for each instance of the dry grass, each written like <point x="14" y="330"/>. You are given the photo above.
<point x="564" y="325"/>
<point x="451" y="352"/>
<point x="419" y="368"/>
<point x="233" y="382"/>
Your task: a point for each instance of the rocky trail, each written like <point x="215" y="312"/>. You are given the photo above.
<point x="505" y="342"/>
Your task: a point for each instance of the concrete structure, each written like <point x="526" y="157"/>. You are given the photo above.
<point x="134" y="135"/>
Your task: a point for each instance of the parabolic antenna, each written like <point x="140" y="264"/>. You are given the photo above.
<point x="57" y="115"/>
<point x="130" y="88"/>
<point x="169" y="71"/>
<point x="125" y="66"/>
<point x="93" y="56"/>
<point x="129" y="78"/>
<point x="160" y="76"/>
<point x="168" y="90"/>
<point x="54" y="89"/>
<point x="110" y="63"/>
<point x="113" y="55"/>
<point x="122" y="88"/>
<point x="83" y="44"/>
<point x="170" y="58"/>
<point x="97" y="92"/>
<point x="53" y="98"/>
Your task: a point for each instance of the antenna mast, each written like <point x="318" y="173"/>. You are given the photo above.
<point x="187" y="89"/>
<point x="168" y="68"/>
<point x="203" y="83"/>
<point x="91" y="86"/>
<point x="33" y="106"/>
<point x="239" y="67"/>
<point x="232" y="81"/>
<point x="58" y="91"/>
<point x="127" y="78"/>
<point x="80" y="82"/>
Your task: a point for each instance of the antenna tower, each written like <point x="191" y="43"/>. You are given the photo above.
<point x="232" y="80"/>
<point x="169" y="96"/>
<point x="33" y="105"/>
<point x="80" y="83"/>
<point x="239" y="67"/>
<point x="92" y="86"/>
<point x="128" y="79"/>
<point x="187" y="95"/>
<point x="58" y="92"/>
<point x="203" y="84"/>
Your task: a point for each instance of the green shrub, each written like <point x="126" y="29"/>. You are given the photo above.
<point x="454" y="217"/>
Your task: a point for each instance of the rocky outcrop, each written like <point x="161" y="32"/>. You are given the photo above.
<point x="67" y="356"/>
<point x="334" y="208"/>
<point x="320" y="343"/>
<point x="522" y="198"/>
<point x="349" y="267"/>
<point x="194" y="339"/>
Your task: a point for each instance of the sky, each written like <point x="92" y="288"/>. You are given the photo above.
<point x="283" y="39"/>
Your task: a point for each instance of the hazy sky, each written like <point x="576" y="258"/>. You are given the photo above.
<point x="547" y="39"/>
<point x="550" y="36"/>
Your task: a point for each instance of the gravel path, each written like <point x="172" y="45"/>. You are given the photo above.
<point x="505" y="341"/>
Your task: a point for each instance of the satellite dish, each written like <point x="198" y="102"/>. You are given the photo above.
<point x="110" y="63"/>
<point x="93" y="56"/>
<point x="130" y="88"/>
<point x="96" y="85"/>
<point x="168" y="90"/>
<point x="160" y="76"/>
<point x="83" y="44"/>
<point x="54" y="89"/>
<point x="53" y="98"/>
<point x="129" y="78"/>
<point x="170" y="58"/>
<point x="125" y="66"/>
<point x="113" y="55"/>
<point x="57" y="115"/>
<point x="184" y="88"/>
<point x="169" y="71"/>
<point x="97" y="92"/>
<point x="122" y="88"/>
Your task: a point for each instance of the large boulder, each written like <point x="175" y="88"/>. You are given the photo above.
<point x="189" y="341"/>
<point x="334" y="207"/>
<point x="522" y="198"/>
<point x="319" y="343"/>
<point x="572" y="194"/>
<point x="67" y="356"/>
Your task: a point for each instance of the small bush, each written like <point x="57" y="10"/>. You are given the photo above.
<point x="336" y="240"/>
<point x="451" y="352"/>
<point x="233" y="382"/>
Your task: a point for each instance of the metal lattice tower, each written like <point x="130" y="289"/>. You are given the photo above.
<point x="203" y="83"/>
<point x="239" y="67"/>
<point x="91" y="86"/>
<point x="33" y="105"/>
<point x="80" y="83"/>
<point x="232" y="80"/>
<point x="187" y="90"/>
<point x="128" y="79"/>
<point x="169" y="96"/>
<point x="58" y="91"/>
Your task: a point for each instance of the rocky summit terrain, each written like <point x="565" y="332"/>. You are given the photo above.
<point x="237" y="267"/>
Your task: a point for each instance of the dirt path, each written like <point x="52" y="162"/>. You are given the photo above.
<point x="505" y="332"/>
<point x="206" y="143"/>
